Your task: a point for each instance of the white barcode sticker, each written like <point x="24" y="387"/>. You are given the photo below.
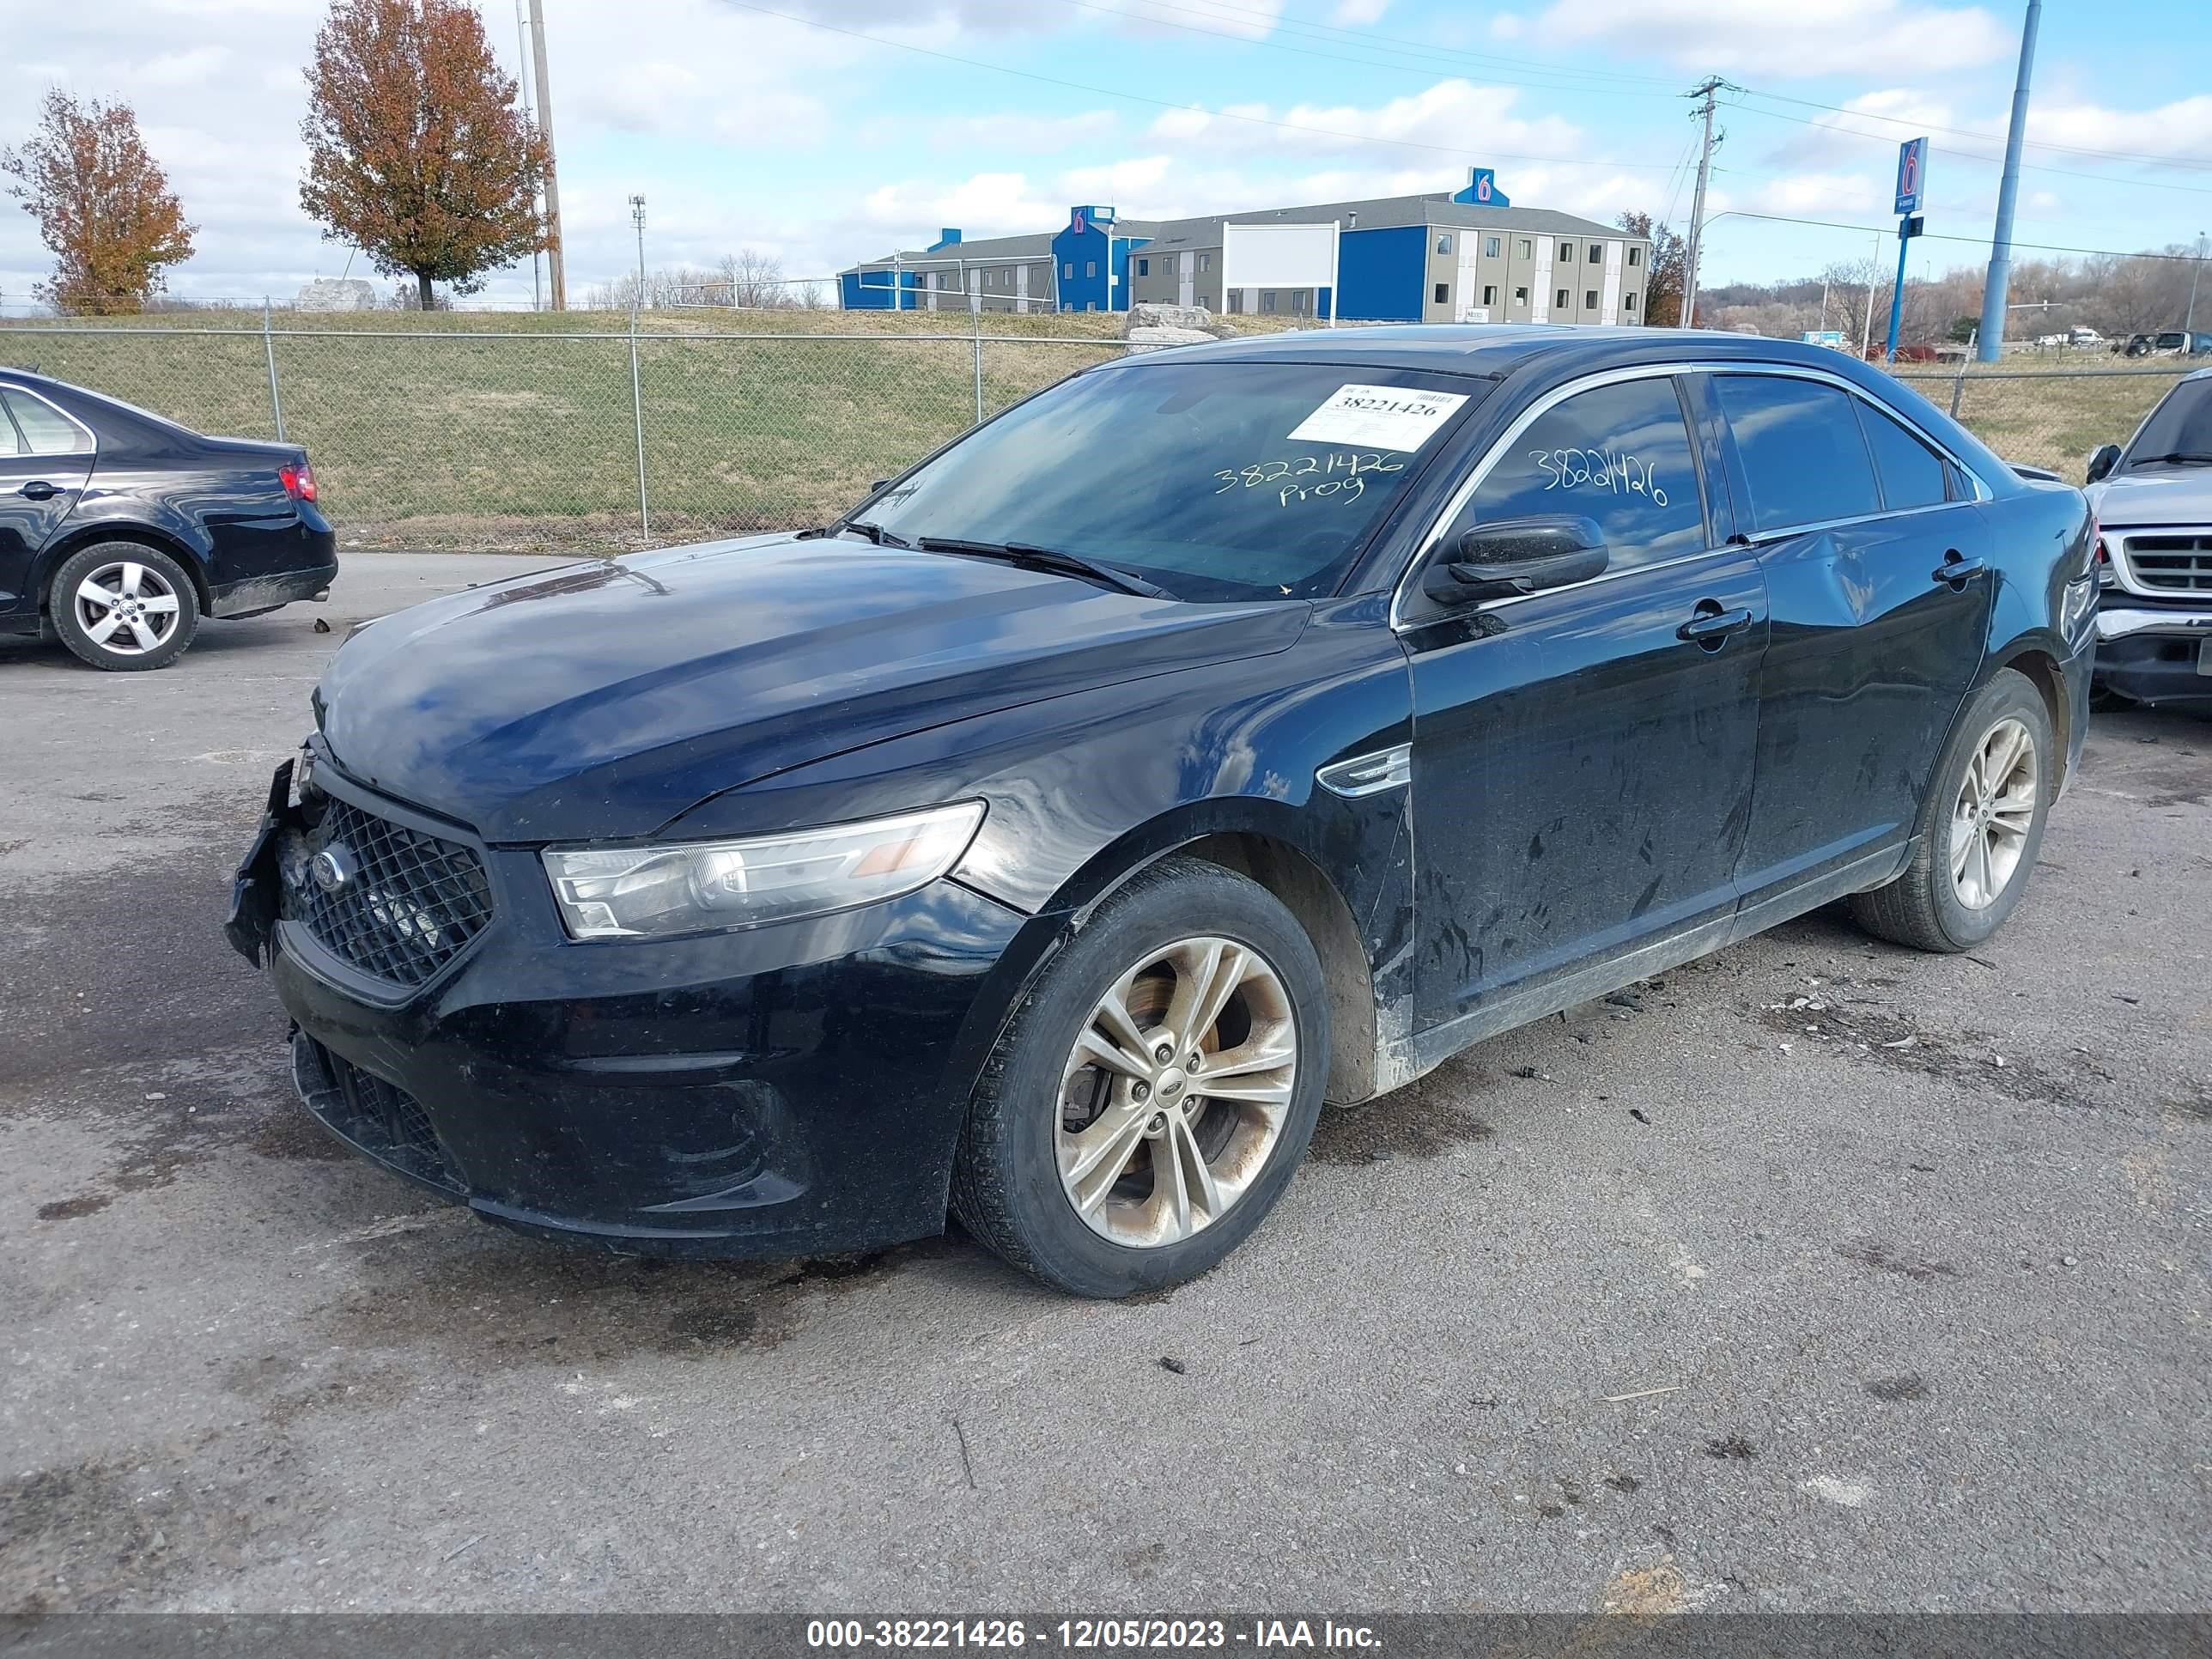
<point x="1380" y="417"/>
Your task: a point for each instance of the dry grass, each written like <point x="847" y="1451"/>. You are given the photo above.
<point x="427" y="431"/>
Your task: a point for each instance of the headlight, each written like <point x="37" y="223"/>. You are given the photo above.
<point x="708" y="886"/>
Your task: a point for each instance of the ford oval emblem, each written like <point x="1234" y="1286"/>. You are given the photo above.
<point x="333" y="867"/>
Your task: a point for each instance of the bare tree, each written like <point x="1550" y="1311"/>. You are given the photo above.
<point x="754" y="278"/>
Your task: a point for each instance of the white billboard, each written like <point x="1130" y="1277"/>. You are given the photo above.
<point x="1281" y="256"/>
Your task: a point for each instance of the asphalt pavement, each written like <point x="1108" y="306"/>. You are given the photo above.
<point x="1820" y="1274"/>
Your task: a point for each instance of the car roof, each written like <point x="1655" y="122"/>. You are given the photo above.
<point x="1496" y="349"/>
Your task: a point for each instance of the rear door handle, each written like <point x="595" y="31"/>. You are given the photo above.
<point x="1711" y="626"/>
<point x="40" y="490"/>
<point x="1956" y="568"/>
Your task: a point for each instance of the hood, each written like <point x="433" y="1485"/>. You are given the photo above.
<point x="2155" y="496"/>
<point x="600" y="700"/>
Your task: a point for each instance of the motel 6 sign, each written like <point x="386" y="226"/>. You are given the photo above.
<point x="1911" y="175"/>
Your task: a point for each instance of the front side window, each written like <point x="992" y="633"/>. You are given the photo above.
<point x="1803" y="458"/>
<point x="1619" y="455"/>
<point x="1911" y="474"/>
<point x="46" y="431"/>
<point x="1193" y="475"/>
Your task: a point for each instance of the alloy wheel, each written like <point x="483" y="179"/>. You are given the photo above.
<point x="1176" y="1092"/>
<point x="126" y="608"/>
<point x="1993" y="814"/>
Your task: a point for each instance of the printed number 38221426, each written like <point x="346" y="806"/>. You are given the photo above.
<point x="1341" y="474"/>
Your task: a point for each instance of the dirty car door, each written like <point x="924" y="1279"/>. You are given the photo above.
<point x="1880" y="581"/>
<point x="1582" y="768"/>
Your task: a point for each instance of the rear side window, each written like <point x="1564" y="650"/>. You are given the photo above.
<point x="46" y="431"/>
<point x="1620" y="454"/>
<point x="1911" y="474"/>
<point x="1802" y="455"/>
<point x="9" y="443"/>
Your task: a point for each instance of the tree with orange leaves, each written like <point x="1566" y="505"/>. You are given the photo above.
<point x="103" y="206"/>
<point x="417" y="153"/>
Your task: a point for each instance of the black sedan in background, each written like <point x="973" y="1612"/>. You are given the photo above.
<point x="1219" y="733"/>
<point x="119" y="530"/>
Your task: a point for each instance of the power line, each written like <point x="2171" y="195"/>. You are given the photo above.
<point x="2190" y="162"/>
<point x="1188" y="109"/>
<point x="1939" y="236"/>
<point x="1970" y="155"/>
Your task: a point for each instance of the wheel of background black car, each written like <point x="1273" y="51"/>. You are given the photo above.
<point x="2139" y="348"/>
<point x="1979" y="829"/>
<point x="1155" y="1092"/>
<point x="124" y="605"/>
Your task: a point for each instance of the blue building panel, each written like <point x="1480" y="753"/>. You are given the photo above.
<point x="1381" y="272"/>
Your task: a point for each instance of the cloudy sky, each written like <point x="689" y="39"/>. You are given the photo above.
<point x="826" y="130"/>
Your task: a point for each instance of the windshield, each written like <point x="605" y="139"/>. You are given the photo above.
<point x="2179" y="430"/>
<point x="1215" y="481"/>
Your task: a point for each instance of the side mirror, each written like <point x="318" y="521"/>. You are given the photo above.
<point x="1517" y="555"/>
<point x="2102" y="460"/>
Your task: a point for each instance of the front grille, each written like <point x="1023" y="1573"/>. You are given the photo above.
<point x="382" y="1119"/>
<point x="2173" y="564"/>
<point x="394" y="902"/>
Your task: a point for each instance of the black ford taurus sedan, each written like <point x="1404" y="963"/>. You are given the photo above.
<point x="1218" y="733"/>
<point x="119" y="530"/>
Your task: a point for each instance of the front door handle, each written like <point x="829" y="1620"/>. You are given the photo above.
<point x="1711" y="626"/>
<point x="40" y="490"/>
<point x="1957" y="568"/>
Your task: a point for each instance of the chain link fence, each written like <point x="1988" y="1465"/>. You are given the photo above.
<point x="499" y="438"/>
<point x="491" y="439"/>
<point x="2050" y="417"/>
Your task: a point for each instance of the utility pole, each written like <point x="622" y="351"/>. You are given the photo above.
<point x="2000" y="275"/>
<point x="637" y="218"/>
<point x="522" y="77"/>
<point x="1712" y="84"/>
<point x="555" y="266"/>
<point x="2189" y="323"/>
<point x="1874" y="272"/>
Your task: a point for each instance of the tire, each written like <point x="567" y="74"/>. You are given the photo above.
<point x="146" y="586"/>
<point x="1933" y="905"/>
<point x="1173" y="926"/>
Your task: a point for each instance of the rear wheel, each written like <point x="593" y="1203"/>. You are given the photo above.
<point x="124" y="605"/>
<point x="1979" y="829"/>
<point x="1155" y="1093"/>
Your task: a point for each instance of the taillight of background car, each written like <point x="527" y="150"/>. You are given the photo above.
<point x="299" y="480"/>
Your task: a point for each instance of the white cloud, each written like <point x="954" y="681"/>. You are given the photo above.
<point x="1353" y="13"/>
<point x="1011" y="134"/>
<point x="2182" y="130"/>
<point x="1759" y="37"/>
<point x="1451" y="116"/>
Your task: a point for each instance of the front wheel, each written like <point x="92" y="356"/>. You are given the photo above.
<point x="1979" y="829"/>
<point x="1155" y="1092"/>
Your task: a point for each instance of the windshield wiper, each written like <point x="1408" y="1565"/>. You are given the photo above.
<point x="2178" y="459"/>
<point x="875" y="532"/>
<point x="1031" y="557"/>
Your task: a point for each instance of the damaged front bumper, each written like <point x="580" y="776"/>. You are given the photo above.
<point x="2155" y="653"/>
<point x="785" y="1090"/>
